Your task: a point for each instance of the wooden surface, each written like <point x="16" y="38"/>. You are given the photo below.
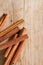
<point x="32" y="12"/>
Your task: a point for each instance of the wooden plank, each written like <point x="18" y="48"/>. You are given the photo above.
<point x="32" y="12"/>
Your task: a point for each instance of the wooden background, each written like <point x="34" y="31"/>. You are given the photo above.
<point x="32" y="12"/>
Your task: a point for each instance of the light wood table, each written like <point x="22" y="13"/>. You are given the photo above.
<point x="32" y="12"/>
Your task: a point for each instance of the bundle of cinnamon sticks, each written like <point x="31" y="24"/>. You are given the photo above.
<point x="16" y="40"/>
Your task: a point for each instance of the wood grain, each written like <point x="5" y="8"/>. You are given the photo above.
<point x="32" y="12"/>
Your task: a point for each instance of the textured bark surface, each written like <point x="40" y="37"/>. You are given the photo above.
<point x="32" y="12"/>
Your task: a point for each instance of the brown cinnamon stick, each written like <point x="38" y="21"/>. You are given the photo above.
<point x="9" y="49"/>
<point x="14" y="48"/>
<point x="2" y="18"/>
<point x="5" y="18"/>
<point x="13" y="42"/>
<point x="18" y="52"/>
<point x="8" y="35"/>
<point x="22" y="31"/>
<point x="11" y="27"/>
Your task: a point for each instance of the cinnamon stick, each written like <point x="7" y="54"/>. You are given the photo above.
<point x="11" y="27"/>
<point x="14" y="48"/>
<point x="18" y="52"/>
<point x="8" y="35"/>
<point x="5" y="18"/>
<point x="2" y="18"/>
<point x="9" y="49"/>
<point x="22" y="31"/>
<point x="13" y="42"/>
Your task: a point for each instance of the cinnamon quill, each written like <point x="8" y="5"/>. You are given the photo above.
<point x="8" y="35"/>
<point x="18" y="52"/>
<point x="4" y="20"/>
<point x="11" y="27"/>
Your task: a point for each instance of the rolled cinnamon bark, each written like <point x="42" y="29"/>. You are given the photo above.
<point x="8" y="35"/>
<point x="18" y="52"/>
<point x="5" y="18"/>
<point x="11" y="27"/>
<point x="13" y="42"/>
<point x="9" y="49"/>
<point x="22" y="31"/>
<point x="2" y="18"/>
<point x="14" y="48"/>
